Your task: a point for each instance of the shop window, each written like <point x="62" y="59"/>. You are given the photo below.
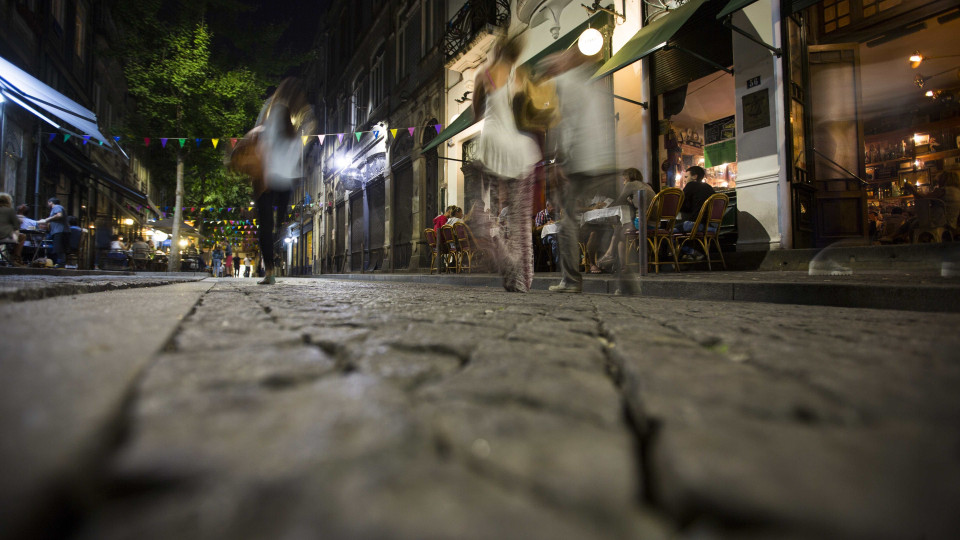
<point x="376" y="83"/>
<point x="836" y="15"/>
<point x="80" y="36"/>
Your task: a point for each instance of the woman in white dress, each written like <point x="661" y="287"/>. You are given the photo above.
<point x="510" y="155"/>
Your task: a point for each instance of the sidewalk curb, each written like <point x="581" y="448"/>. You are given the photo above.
<point x="936" y="297"/>
<point x="68" y="289"/>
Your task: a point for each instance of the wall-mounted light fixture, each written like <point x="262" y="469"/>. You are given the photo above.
<point x="590" y="42"/>
<point x="916" y="58"/>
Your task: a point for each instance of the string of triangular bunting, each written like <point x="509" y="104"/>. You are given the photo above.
<point x="215" y="141"/>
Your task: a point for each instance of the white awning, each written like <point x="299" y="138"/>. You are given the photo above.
<point x="47" y="104"/>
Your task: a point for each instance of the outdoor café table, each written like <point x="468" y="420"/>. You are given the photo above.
<point x="602" y="215"/>
<point x="35" y="237"/>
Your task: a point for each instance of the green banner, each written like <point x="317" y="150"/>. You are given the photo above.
<point x="720" y="153"/>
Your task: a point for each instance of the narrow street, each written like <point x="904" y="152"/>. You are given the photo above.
<point x="334" y="409"/>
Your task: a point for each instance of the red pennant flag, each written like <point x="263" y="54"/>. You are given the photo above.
<point x="146" y="141"/>
<point x="233" y="142"/>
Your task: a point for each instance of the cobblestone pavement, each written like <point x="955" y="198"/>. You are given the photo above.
<point x="329" y="409"/>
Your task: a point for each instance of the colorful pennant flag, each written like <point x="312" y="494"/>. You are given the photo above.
<point x="52" y="135"/>
<point x="394" y="133"/>
<point x="359" y="134"/>
<point x="304" y="138"/>
<point x="340" y="137"/>
<point x="320" y="138"/>
<point x="163" y="142"/>
<point x="438" y="128"/>
<point x="146" y="141"/>
<point x="198" y="142"/>
<point x="182" y="142"/>
<point x="86" y="139"/>
<point x="66" y="137"/>
<point x="410" y="130"/>
<point x="233" y="142"/>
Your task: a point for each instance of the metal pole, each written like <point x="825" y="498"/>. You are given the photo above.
<point x="36" y="185"/>
<point x="642" y="231"/>
<point x="3" y="129"/>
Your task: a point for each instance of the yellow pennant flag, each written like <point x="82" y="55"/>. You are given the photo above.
<point x="305" y="138"/>
<point x="214" y="141"/>
<point x="394" y="133"/>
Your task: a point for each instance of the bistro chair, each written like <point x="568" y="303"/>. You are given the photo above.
<point x="448" y="240"/>
<point x="7" y="249"/>
<point x="706" y="228"/>
<point x="467" y="244"/>
<point x="661" y="219"/>
<point x="927" y="229"/>
<point x="431" y="236"/>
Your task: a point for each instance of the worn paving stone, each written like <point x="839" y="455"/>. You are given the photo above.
<point x="358" y="410"/>
<point x="817" y="418"/>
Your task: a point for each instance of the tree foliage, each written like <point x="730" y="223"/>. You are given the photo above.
<point x="186" y="82"/>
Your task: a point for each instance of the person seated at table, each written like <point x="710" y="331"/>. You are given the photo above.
<point x="946" y="191"/>
<point x="441" y="220"/>
<point x="26" y="224"/>
<point x="116" y="244"/>
<point x="894" y="226"/>
<point x="455" y="216"/>
<point x="141" y="251"/>
<point x="695" y="193"/>
<point x="633" y="182"/>
<point x="546" y="223"/>
<point x="9" y="226"/>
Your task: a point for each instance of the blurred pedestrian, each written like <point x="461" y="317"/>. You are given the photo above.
<point x="280" y="148"/>
<point x="585" y="151"/>
<point x="508" y="156"/>
<point x="236" y="266"/>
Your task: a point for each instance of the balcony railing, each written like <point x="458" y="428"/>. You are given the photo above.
<point x="473" y="17"/>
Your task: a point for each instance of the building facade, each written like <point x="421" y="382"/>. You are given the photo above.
<point x="56" y="45"/>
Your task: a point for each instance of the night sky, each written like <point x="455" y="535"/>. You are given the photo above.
<point x="303" y="18"/>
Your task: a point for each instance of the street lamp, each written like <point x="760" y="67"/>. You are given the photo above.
<point x="590" y="42"/>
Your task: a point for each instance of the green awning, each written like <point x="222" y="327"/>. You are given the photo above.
<point x="650" y="38"/>
<point x="462" y="122"/>
<point x="734" y="5"/>
<point x="799" y="5"/>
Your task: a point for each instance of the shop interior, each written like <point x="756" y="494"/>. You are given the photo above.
<point x="911" y="113"/>
<point x="697" y="127"/>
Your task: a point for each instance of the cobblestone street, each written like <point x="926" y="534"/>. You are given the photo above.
<point x="334" y="409"/>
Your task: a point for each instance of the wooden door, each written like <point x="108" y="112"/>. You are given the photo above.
<point x="837" y="142"/>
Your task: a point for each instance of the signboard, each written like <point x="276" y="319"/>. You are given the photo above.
<point x="720" y="130"/>
<point x="756" y="110"/>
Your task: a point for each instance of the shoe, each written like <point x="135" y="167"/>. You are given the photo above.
<point x="692" y="257"/>
<point x="268" y="280"/>
<point x="563" y="287"/>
